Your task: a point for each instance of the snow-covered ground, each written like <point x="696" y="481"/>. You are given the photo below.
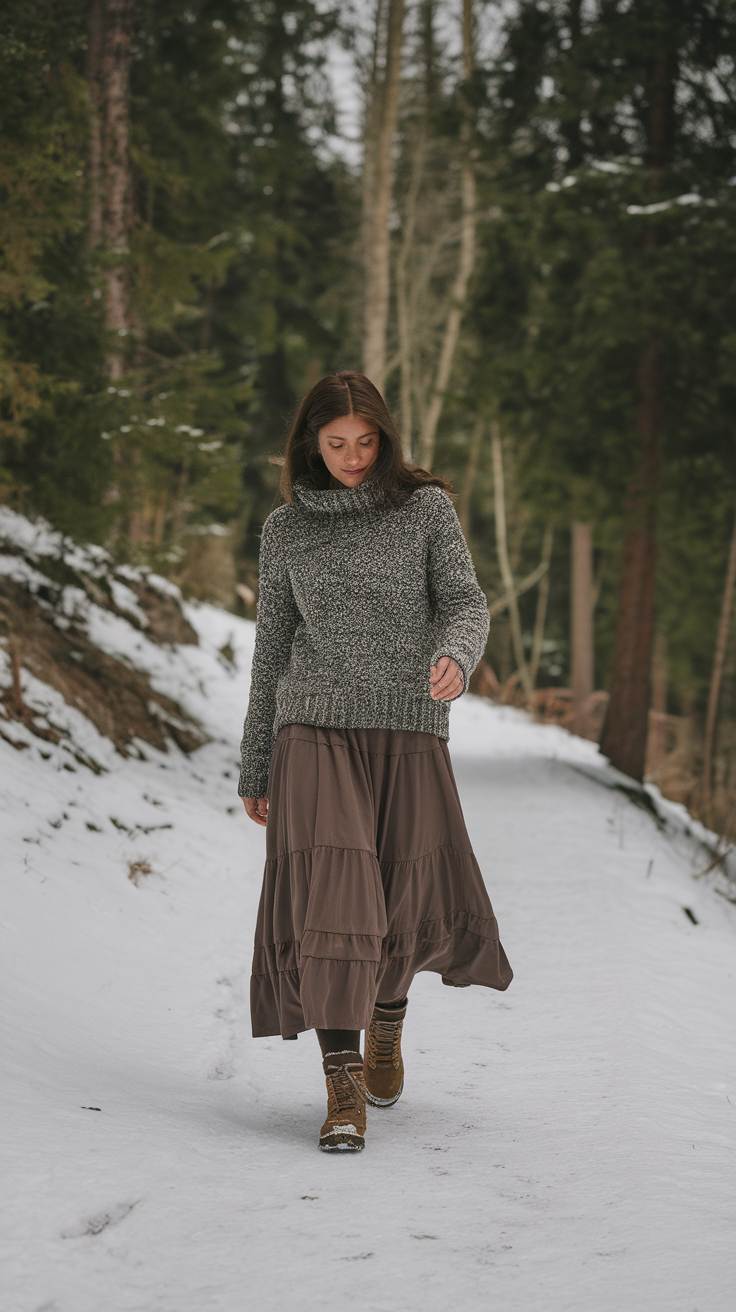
<point x="566" y="1145"/>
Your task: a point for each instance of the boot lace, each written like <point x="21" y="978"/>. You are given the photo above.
<point x="384" y="1038"/>
<point x="345" y="1091"/>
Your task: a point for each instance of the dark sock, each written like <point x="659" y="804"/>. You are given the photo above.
<point x="391" y="1006"/>
<point x="338" y="1041"/>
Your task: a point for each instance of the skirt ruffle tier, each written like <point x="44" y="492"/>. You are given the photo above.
<point x="369" y="879"/>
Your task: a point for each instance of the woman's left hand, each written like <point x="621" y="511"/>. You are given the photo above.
<point x="446" y="680"/>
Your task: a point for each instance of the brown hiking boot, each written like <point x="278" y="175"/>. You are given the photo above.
<point x="384" y="1067"/>
<point x="344" y="1128"/>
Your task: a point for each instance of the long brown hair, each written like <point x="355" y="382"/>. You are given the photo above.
<point x="333" y="397"/>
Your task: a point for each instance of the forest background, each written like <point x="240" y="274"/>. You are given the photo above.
<point x="523" y="231"/>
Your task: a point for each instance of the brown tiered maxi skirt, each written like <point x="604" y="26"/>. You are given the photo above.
<point x="370" y="878"/>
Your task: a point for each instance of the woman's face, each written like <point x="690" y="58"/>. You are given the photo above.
<point x="349" y="448"/>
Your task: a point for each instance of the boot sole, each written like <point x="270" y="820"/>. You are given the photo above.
<point x="383" y="1102"/>
<point x="342" y="1143"/>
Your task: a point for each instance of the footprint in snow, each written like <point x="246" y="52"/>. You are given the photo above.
<point x="229" y="1012"/>
<point x="94" y="1225"/>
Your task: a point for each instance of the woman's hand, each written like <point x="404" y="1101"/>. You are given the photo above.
<point x="257" y="808"/>
<point x="446" y="680"/>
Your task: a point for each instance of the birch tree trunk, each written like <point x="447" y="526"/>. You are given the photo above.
<point x="116" y="40"/>
<point x="466" y="263"/>
<point x="542" y="599"/>
<point x="463" y="508"/>
<point x="372" y="107"/>
<point x="581" y="615"/>
<point x="380" y="128"/>
<point x="499" y="507"/>
<point x="719" y="659"/>
<point x="405" y="324"/>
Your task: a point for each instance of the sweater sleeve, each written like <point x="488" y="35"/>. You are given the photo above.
<point x="460" y="606"/>
<point x="278" y="617"/>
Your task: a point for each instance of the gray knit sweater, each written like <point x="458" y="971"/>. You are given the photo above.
<point x="357" y="600"/>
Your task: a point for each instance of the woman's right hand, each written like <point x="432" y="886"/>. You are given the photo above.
<point x="257" y="808"/>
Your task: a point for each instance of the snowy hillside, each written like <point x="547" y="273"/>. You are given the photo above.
<point x="567" y="1146"/>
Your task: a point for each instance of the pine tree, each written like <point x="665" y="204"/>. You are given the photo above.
<point x="626" y="156"/>
<point x="172" y="223"/>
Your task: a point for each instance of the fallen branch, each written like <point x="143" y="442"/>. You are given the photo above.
<point x="718" y="860"/>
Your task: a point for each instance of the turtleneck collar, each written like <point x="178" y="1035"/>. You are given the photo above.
<point x="341" y="501"/>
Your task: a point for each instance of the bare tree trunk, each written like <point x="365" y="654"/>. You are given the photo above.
<point x="178" y="515"/>
<point x="471" y="469"/>
<point x="624" y="738"/>
<point x="207" y="316"/>
<point x="159" y="521"/>
<point x="94" y="91"/>
<point x="466" y="263"/>
<point x="716" y="677"/>
<point x="657" y="729"/>
<point x="659" y="674"/>
<point x="118" y="33"/>
<point x="458" y="297"/>
<point x="581" y="615"/>
<point x="381" y="120"/>
<point x="499" y="506"/>
<point x="403" y="309"/>
<point x="372" y="107"/>
<point x="542" y="599"/>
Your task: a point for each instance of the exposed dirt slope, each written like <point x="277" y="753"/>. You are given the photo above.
<point x="53" y="596"/>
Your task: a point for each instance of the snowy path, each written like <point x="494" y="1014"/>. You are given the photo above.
<point x="566" y="1145"/>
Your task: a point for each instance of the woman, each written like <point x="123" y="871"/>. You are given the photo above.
<point x="370" y="622"/>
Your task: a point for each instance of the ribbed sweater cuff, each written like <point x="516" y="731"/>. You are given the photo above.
<point x="254" y="777"/>
<point x="466" y="663"/>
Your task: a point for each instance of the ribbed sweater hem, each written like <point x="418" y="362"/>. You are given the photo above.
<point x="364" y="708"/>
<point x="369" y="708"/>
